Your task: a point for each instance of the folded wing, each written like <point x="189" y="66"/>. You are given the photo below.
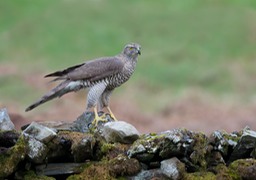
<point x="91" y="70"/>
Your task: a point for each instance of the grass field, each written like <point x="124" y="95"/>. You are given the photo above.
<point x="192" y="45"/>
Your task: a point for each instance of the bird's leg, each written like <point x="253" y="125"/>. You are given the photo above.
<point x="111" y="114"/>
<point x="97" y="118"/>
<point x="93" y="96"/>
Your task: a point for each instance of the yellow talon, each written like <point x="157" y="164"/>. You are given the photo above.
<point x="111" y="114"/>
<point x="97" y="119"/>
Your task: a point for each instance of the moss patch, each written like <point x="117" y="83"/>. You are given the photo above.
<point x="30" y="175"/>
<point x="200" y="176"/>
<point x="11" y="158"/>
<point x="243" y="169"/>
<point x="117" y="149"/>
<point x="122" y="165"/>
<point x="119" y="166"/>
<point x="222" y="172"/>
<point x="199" y="150"/>
<point x="94" y="171"/>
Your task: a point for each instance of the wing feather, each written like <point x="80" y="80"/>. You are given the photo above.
<point x="91" y="70"/>
<point x="64" y="72"/>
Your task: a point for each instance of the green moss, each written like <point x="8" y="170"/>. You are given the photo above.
<point x="222" y="172"/>
<point x="10" y="159"/>
<point x="240" y="169"/>
<point x="243" y="169"/>
<point x="75" y="137"/>
<point x="94" y="171"/>
<point x="122" y="165"/>
<point x="106" y="147"/>
<point x="109" y="151"/>
<point x="109" y="169"/>
<point x="30" y="175"/>
<point x="200" y="176"/>
<point x="198" y="156"/>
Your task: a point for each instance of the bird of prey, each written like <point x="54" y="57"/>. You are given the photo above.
<point x="100" y="75"/>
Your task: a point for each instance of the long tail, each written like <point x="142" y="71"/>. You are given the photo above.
<point x="63" y="88"/>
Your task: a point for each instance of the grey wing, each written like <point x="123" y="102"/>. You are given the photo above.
<point x="91" y="70"/>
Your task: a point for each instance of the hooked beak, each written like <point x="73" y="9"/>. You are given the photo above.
<point x="139" y="52"/>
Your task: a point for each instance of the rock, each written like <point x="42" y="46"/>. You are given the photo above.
<point x="120" y="131"/>
<point x="81" y="124"/>
<point x="173" y="168"/>
<point x="54" y="169"/>
<point x="81" y="145"/>
<point x="83" y="149"/>
<point x="124" y="166"/>
<point x="146" y="147"/>
<point x="55" y="125"/>
<point x="84" y="122"/>
<point x="5" y="122"/>
<point x="39" y="132"/>
<point x="177" y="142"/>
<point x="245" y="146"/>
<point x="214" y="159"/>
<point x="60" y="147"/>
<point x="8" y="138"/>
<point x="149" y="174"/>
<point x="223" y="142"/>
<point x="37" y="151"/>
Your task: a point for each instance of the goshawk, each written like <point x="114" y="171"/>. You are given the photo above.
<point x="100" y="75"/>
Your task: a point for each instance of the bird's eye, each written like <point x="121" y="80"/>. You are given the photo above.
<point x="131" y="48"/>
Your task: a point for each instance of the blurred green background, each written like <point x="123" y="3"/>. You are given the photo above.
<point x="206" y="46"/>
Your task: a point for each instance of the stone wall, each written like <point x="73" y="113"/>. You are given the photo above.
<point x="57" y="150"/>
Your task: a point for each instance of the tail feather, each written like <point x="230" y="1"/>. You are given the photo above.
<point x="63" y="88"/>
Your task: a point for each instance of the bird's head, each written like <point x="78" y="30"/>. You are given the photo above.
<point x="132" y="50"/>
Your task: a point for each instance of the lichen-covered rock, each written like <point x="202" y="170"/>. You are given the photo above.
<point x="5" y="122"/>
<point x="120" y="131"/>
<point x="173" y="168"/>
<point x="36" y="150"/>
<point x="149" y="174"/>
<point x="39" y="132"/>
<point x="177" y="142"/>
<point x="223" y="142"/>
<point x="146" y="147"/>
<point x="11" y="158"/>
<point x="174" y="143"/>
<point x="245" y="146"/>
